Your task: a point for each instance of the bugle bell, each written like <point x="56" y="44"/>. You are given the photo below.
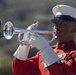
<point x="9" y="30"/>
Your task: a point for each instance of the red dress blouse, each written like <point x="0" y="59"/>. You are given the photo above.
<point x="34" y="65"/>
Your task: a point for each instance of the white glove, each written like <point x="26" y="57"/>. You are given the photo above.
<point x="23" y="50"/>
<point x="38" y="41"/>
<point x="48" y="55"/>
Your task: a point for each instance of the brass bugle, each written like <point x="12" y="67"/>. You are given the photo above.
<point x="9" y="30"/>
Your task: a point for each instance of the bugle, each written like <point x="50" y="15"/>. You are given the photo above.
<point x="9" y="30"/>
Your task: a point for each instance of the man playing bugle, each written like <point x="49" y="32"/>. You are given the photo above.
<point x="56" y="60"/>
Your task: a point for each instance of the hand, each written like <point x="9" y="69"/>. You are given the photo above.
<point x="47" y="53"/>
<point x="27" y="35"/>
<point x="23" y="50"/>
<point x="38" y="41"/>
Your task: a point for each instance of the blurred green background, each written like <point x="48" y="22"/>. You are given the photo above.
<point x="23" y="13"/>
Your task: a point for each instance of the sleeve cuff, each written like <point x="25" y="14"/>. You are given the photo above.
<point x="49" y="57"/>
<point x="22" y="52"/>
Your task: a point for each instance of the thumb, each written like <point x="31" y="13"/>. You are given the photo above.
<point x="33" y="26"/>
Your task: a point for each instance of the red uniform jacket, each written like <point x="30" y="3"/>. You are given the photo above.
<point x="34" y="65"/>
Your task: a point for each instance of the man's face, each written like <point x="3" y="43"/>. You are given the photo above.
<point x="63" y="28"/>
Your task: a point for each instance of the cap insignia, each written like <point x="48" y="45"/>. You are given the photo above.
<point x="58" y="7"/>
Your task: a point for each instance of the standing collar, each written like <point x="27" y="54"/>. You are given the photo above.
<point x="66" y="44"/>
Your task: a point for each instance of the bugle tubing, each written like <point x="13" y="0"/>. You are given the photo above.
<point x="9" y="30"/>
